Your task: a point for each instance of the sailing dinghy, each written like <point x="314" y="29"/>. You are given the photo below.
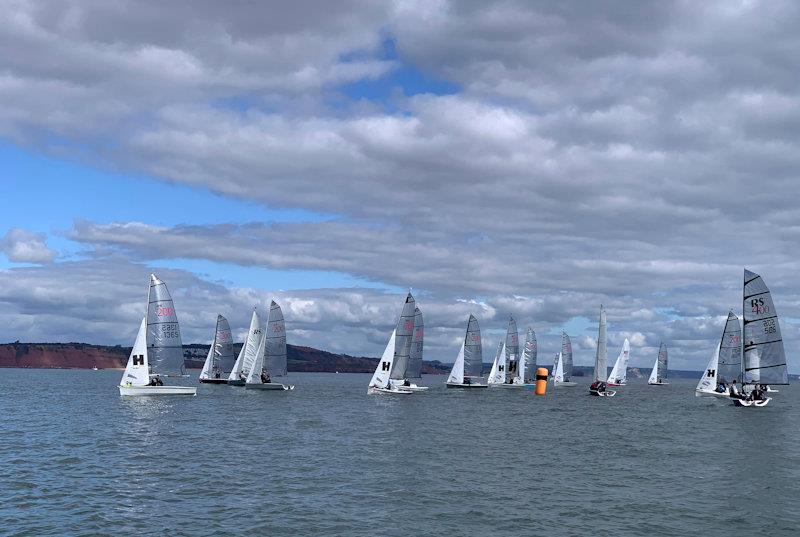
<point x="466" y="372"/>
<point x="157" y="351"/>
<point x="514" y="365"/>
<point x="565" y="357"/>
<point x="619" y="374"/>
<point x="270" y="360"/>
<point x="598" y="386"/>
<point x="528" y="365"/>
<point x="658" y="376"/>
<point x="391" y="369"/>
<point x="763" y="355"/>
<point x="247" y="354"/>
<point x="219" y="361"/>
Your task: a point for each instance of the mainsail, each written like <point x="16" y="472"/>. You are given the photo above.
<point x="275" y="347"/>
<point x="402" y="345"/>
<point x="473" y="349"/>
<point x="729" y="366"/>
<point x="164" y="347"/>
<point x="659" y="371"/>
<point x="529" y="355"/>
<point x="600" y="367"/>
<point x="414" y="369"/>
<point x="763" y="352"/>
<point x="512" y="348"/>
<point x="566" y="356"/>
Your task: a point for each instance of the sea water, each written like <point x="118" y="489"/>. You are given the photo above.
<point x="328" y="459"/>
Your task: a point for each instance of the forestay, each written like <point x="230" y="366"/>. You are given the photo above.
<point x="600" y="367"/>
<point x="764" y="356"/>
<point x="730" y="352"/>
<point x="137" y="370"/>
<point x="275" y="347"/>
<point x="403" y="332"/>
<point x="164" y="347"/>
<point x="473" y="349"/>
<point x="414" y="369"/>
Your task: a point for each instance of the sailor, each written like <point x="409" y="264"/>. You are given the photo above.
<point x="734" y="390"/>
<point x="467" y="380"/>
<point x="406" y="382"/>
<point x="265" y="378"/>
<point x="601" y="387"/>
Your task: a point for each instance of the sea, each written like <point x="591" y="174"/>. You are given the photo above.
<point x="328" y="459"/>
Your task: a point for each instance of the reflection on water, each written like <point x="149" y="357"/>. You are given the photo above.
<point x="327" y="459"/>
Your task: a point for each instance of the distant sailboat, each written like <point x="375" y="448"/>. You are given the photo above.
<point x="466" y="372"/>
<point x="497" y="374"/>
<point x="565" y="357"/>
<point x="514" y="367"/>
<point x="247" y="354"/>
<point x="658" y="376"/>
<point x="219" y="361"/>
<point x="598" y="386"/>
<point x="157" y="351"/>
<point x="763" y="355"/>
<point x="270" y="360"/>
<point x="558" y="370"/>
<point x="391" y="368"/>
<point x="619" y="374"/>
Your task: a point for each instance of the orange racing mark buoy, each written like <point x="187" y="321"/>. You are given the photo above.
<point x="541" y="381"/>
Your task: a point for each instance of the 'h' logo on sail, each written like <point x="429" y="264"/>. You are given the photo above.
<point x="385" y="366"/>
<point x="711" y="372"/>
<point x="138" y="359"/>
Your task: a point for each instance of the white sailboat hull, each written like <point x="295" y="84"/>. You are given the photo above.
<point x="746" y="403"/>
<point x="269" y="386"/>
<point x="705" y="393"/>
<point x="511" y="385"/>
<point x="567" y="383"/>
<point x="658" y="383"/>
<point x="388" y="391"/>
<point x="157" y="390"/>
<point x="415" y="389"/>
<point x="473" y="385"/>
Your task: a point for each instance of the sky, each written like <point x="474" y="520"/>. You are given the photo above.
<point x="534" y="159"/>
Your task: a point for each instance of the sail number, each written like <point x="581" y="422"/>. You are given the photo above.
<point x="757" y="306"/>
<point x="168" y="311"/>
<point x="769" y="326"/>
<point x="170" y="331"/>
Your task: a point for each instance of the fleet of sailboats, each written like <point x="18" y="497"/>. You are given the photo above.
<point x="158" y="351"/>
<point x="751" y="355"/>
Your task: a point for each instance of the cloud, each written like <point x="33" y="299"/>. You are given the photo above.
<point x="22" y="246"/>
